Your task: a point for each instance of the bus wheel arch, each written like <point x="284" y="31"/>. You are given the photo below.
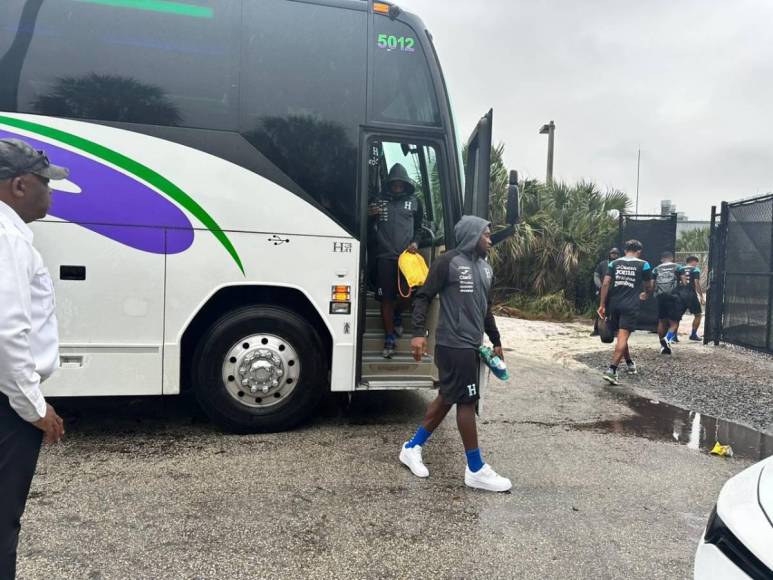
<point x="276" y="331"/>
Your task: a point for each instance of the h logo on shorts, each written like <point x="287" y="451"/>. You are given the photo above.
<point x="472" y="389"/>
<point x="408" y="205"/>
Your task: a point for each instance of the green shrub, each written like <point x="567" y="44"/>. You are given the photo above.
<point x="553" y="306"/>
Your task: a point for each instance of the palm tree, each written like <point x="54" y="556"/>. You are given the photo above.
<point x="696" y="240"/>
<point x="108" y="97"/>
<point x="317" y="155"/>
<point x="563" y="232"/>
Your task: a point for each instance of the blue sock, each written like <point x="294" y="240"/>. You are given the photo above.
<point x="670" y="336"/>
<point x="420" y="438"/>
<point x="474" y="460"/>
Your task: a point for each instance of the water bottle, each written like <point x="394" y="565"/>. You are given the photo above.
<point x="496" y="364"/>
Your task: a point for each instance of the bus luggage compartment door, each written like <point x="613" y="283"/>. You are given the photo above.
<point x="109" y="305"/>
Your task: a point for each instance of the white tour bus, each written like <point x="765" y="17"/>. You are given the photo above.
<point x="213" y="235"/>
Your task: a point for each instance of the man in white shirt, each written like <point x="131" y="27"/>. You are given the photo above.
<point x="29" y="342"/>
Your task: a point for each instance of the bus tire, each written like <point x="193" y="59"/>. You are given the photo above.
<point x="259" y="369"/>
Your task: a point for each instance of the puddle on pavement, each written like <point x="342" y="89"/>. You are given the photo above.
<point x="663" y="422"/>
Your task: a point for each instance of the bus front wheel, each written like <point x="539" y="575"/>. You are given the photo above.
<point x="259" y="369"/>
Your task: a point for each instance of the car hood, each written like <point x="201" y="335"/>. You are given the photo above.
<point x="746" y="505"/>
<point x="765" y="489"/>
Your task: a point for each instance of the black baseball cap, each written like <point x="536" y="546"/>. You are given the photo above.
<point x="19" y="158"/>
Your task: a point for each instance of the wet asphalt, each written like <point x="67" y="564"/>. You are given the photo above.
<point x="149" y="489"/>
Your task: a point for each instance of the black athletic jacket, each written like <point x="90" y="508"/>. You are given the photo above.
<point x="464" y="282"/>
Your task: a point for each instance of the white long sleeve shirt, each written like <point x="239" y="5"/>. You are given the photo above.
<point x="29" y="337"/>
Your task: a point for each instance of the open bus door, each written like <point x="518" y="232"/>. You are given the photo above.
<point x="477" y="192"/>
<point x="477" y="169"/>
<point x="477" y="188"/>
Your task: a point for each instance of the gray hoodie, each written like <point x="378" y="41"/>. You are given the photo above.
<point x="464" y="281"/>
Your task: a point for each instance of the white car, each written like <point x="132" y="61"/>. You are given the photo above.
<point x="738" y="541"/>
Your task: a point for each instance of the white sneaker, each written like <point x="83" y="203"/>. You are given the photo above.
<point x="411" y="458"/>
<point x="486" y="478"/>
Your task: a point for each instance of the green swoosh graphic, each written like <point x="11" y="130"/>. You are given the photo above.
<point x="137" y="169"/>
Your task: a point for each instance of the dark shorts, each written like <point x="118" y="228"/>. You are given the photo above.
<point x="620" y="319"/>
<point x="670" y="308"/>
<point x="694" y="305"/>
<point x="386" y="280"/>
<point x="458" y="370"/>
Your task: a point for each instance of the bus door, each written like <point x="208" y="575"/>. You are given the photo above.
<point x="425" y="166"/>
<point x="477" y="171"/>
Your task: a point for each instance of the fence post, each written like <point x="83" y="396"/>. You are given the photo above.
<point x="708" y="332"/>
<point x="724" y="222"/>
<point x="768" y="345"/>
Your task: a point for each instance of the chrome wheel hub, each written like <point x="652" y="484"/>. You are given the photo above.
<point x="261" y="370"/>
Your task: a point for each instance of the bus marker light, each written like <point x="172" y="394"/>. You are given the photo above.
<point x="341" y="294"/>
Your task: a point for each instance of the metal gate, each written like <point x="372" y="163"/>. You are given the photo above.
<point x="657" y="234"/>
<point x="740" y="293"/>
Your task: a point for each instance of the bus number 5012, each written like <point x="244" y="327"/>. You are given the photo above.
<point x="391" y="42"/>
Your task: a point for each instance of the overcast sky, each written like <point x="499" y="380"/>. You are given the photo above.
<point x="691" y="81"/>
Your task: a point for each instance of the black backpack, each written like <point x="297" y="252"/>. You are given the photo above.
<point x="666" y="278"/>
<point x="606" y="334"/>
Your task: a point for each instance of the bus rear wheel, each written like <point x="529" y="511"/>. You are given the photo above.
<point x="259" y="369"/>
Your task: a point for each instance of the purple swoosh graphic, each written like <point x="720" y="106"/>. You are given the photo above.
<point x="114" y="204"/>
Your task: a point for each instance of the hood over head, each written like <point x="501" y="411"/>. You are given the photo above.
<point x="468" y="232"/>
<point x="398" y="173"/>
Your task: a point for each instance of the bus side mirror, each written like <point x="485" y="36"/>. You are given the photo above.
<point x="513" y="212"/>
<point x="513" y="200"/>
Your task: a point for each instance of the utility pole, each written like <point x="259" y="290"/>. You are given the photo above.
<point x="638" y="166"/>
<point x="549" y="129"/>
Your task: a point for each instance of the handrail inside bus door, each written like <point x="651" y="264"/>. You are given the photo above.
<point x="432" y="238"/>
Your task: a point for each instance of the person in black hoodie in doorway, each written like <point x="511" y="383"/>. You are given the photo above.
<point x="397" y="215"/>
<point x="464" y="279"/>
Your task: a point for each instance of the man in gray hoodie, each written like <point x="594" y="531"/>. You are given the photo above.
<point x="464" y="280"/>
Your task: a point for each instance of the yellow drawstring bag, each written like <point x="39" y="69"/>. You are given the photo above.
<point x="414" y="269"/>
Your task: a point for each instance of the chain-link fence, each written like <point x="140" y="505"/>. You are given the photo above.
<point x="741" y="274"/>
<point x="657" y="234"/>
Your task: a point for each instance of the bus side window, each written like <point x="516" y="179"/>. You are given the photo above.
<point x="303" y="96"/>
<point x="120" y="62"/>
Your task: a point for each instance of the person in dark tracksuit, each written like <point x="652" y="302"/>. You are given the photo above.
<point x="29" y="342"/>
<point x="602" y="267"/>
<point x="627" y="284"/>
<point x="666" y="276"/>
<point x="697" y="301"/>
<point x="397" y="218"/>
<point x="676" y="304"/>
<point x="598" y="279"/>
<point x="464" y="280"/>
